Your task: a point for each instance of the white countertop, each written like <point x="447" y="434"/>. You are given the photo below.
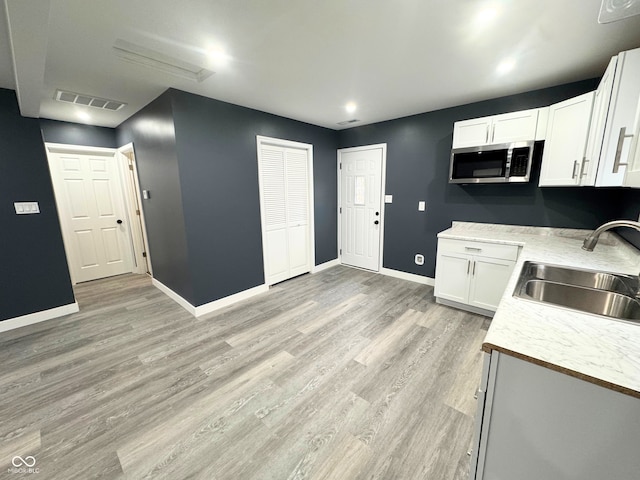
<point x="595" y="348"/>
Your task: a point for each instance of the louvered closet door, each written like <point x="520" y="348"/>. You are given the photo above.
<point x="285" y="197"/>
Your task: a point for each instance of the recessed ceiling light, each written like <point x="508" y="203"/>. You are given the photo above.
<point x="83" y="115"/>
<point x="217" y="56"/>
<point x="486" y="15"/>
<point x="350" y="107"/>
<point x="505" y="66"/>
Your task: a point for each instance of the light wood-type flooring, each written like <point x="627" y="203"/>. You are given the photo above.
<point x="343" y="374"/>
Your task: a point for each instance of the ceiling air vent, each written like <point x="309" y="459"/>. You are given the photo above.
<point x="88" y="100"/>
<point x="347" y="122"/>
<point x="132" y="53"/>
<point x="614" y="10"/>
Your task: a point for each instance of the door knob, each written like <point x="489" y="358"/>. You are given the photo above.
<point x="118" y="221"/>
<point x="376" y="222"/>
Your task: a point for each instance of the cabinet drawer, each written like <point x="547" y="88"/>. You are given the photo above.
<point x="481" y="249"/>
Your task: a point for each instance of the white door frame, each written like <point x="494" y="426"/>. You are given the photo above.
<point x="133" y="203"/>
<point x="83" y="149"/>
<point x="262" y="140"/>
<point x="383" y="179"/>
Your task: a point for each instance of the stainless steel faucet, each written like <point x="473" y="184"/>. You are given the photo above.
<point x="592" y="239"/>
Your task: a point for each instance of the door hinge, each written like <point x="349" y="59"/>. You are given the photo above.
<point x="144" y="254"/>
<point x="340" y="209"/>
<point x="340" y="251"/>
<point x="137" y="212"/>
<point x="130" y="167"/>
<point x="340" y="165"/>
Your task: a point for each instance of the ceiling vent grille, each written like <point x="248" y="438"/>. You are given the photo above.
<point x="132" y="53"/>
<point x="347" y="122"/>
<point x="88" y="100"/>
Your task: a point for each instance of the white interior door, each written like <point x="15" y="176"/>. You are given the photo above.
<point x="90" y="203"/>
<point x="285" y="195"/>
<point x="360" y="206"/>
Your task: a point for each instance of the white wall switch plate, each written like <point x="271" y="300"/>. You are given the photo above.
<point x="422" y="206"/>
<point x="388" y="199"/>
<point x="419" y="259"/>
<point x="146" y="194"/>
<point x="26" y="208"/>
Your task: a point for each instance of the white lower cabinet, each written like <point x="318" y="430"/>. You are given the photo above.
<point x="536" y="423"/>
<point x="473" y="275"/>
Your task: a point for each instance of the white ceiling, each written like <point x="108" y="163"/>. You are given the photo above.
<point x="304" y="59"/>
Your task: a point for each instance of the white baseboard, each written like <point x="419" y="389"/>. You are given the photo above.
<point x="230" y="300"/>
<point x="412" y="277"/>
<point x="37" y="317"/>
<point x="325" y="265"/>
<point x="211" y="306"/>
<point x="174" y="296"/>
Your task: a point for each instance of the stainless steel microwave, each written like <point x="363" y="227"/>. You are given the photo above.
<point x="506" y="162"/>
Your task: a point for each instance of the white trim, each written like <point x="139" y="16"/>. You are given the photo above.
<point x="174" y="296"/>
<point x="383" y="182"/>
<point x="230" y="300"/>
<point x="260" y="140"/>
<point x="325" y="265"/>
<point x="211" y="306"/>
<point x="64" y="148"/>
<point x="133" y="199"/>
<point x="37" y="317"/>
<point x="412" y="277"/>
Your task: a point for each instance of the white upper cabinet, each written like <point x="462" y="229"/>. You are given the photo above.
<point x="564" y="161"/>
<point x="598" y="122"/>
<point x="619" y="125"/>
<point x="632" y="174"/>
<point x="505" y="128"/>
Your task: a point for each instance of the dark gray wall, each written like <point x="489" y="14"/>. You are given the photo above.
<point x="629" y="209"/>
<point x="216" y="145"/>
<point x="418" y="150"/>
<point x="153" y="134"/>
<point x="77" y="134"/>
<point x="33" y="266"/>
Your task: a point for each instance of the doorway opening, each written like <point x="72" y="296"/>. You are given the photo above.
<point x="97" y="209"/>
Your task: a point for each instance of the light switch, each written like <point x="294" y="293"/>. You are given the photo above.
<point x="146" y="194"/>
<point x="388" y="199"/>
<point x="25" y="208"/>
<point x="422" y="206"/>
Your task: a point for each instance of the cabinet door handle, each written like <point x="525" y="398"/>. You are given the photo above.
<point x="621" y="136"/>
<point x="493" y="133"/>
<point x="468" y="266"/>
<point x="473" y="270"/>
<point x="486" y="140"/>
<point x="575" y="166"/>
<point x="473" y="249"/>
<point x="584" y="163"/>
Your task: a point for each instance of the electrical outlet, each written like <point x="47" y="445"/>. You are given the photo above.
<point x="419" y="259"/>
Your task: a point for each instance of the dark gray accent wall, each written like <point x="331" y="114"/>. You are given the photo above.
<point x="33" y="266"/>
<point x="418" y="151"/>
<point x="217" y="155"/>
<point x="68" y="133"/>
<point x="629" y="209"/>
<point x="152" y="132"/>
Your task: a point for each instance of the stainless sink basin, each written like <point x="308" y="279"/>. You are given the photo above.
<point x="600" y="293"/>
<point x="583" y="278"/>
